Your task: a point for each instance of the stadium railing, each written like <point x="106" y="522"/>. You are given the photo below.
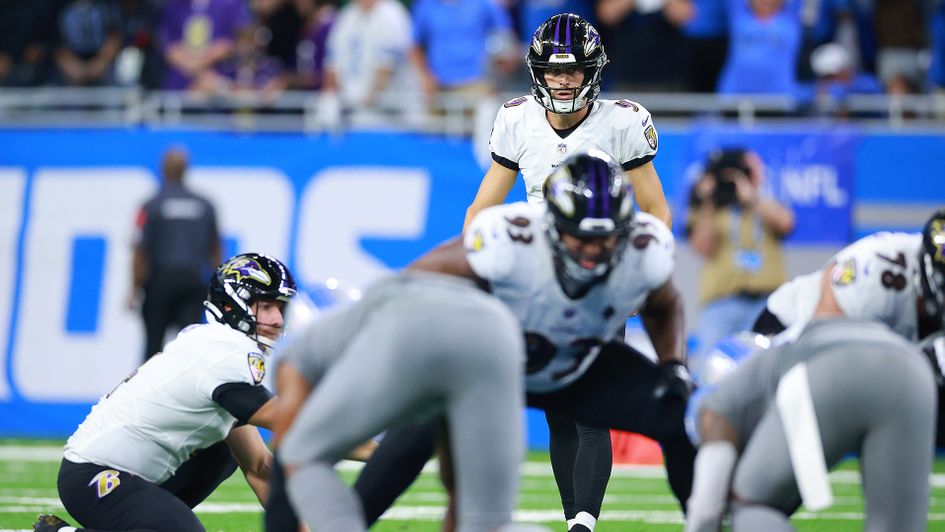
<point x="317" y="112"/>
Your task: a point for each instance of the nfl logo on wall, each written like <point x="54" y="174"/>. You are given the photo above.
<point x="562" y="148"/>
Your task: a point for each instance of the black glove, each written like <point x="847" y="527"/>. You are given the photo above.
<point x="674" y="381"/>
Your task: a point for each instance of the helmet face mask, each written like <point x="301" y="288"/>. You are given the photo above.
<point x="590" y="205"/>
<point x="242" y="281"/>
<point x="576" y="271"/>
<point x="565" y="42"/>
<point x="932" y="267"/>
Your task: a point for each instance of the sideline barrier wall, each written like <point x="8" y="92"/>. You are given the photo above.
<point x="350" y="207"/>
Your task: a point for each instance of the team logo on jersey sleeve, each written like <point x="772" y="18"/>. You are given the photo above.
<point x="257" y="367"/>
<point x="105" y="482"/>
<point x="650" y="134"/>
<point x="844" y="273"/>
<point x="244" y="268"/>
<point x="477" y="242"/>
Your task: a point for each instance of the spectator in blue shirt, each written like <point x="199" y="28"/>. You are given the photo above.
<point x="451" y="44"/>
<point x="826" y="22"/>
<point x="937" y="69"/>
<point x="89" y="39"/>
<point x="765" y="41"/>
<point x="838" y="79"/>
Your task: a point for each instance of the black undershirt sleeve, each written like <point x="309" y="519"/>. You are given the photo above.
<point x="636" y="163"/>
<point x="241" y="399"/>
<point x="511" y="165"/>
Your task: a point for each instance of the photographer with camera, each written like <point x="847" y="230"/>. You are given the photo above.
<point x="738" y="233"/>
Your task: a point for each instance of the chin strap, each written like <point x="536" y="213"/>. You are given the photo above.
<point x="212" y="313"/>
<point x="244" y="325"/>
<point x="264" y="343"/>
<point x="580" y="100"/>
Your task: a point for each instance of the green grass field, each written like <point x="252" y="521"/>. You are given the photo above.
<point x="638" y="499"/>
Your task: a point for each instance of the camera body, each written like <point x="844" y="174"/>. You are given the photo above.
<point x="724" y="166"/>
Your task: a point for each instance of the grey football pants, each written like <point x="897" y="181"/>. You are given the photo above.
<point x="881" y="405"/>
<point x="440" y="351"/>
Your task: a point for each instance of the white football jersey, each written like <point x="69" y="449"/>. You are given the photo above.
<point x="522" y="139"/>
<point x="794" y="301"/>
<point x="151" y="423"/>
<point x="872" y="279"/>
<point x="507" y="246"/>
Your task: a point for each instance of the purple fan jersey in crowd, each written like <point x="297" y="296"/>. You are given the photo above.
<point x="310" y="52"/>
<point x="251" y="74"/>
<point x="197" y="24"/>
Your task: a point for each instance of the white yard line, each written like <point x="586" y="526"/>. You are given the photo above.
<point x="432" y="513"/>
<point x="31" y="453"/>
<point x="22" y="503"/>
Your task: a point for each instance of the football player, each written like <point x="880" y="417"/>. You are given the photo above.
<point x="772" y="429"/>
<point x="532" y="135"/>
<point x="415" y="346"/>
<point x="894" y="278"/>
<point x="206" y="387"/>
<point x="897" y="279"/>
<point x="571" y="271"/>
<point x="563" y="117"/>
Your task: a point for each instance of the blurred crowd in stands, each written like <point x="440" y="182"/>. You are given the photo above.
<point x="372" y="52"/>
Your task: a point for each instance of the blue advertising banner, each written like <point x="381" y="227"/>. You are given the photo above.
<point x="348" y="208"/>
<point x="811" y="171"/>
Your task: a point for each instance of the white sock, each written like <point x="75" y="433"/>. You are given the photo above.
<point x="584" y="518"/>
<point x="570" y="523"/>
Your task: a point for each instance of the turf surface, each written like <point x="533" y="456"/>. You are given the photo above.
<point x="638" y="499"/>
